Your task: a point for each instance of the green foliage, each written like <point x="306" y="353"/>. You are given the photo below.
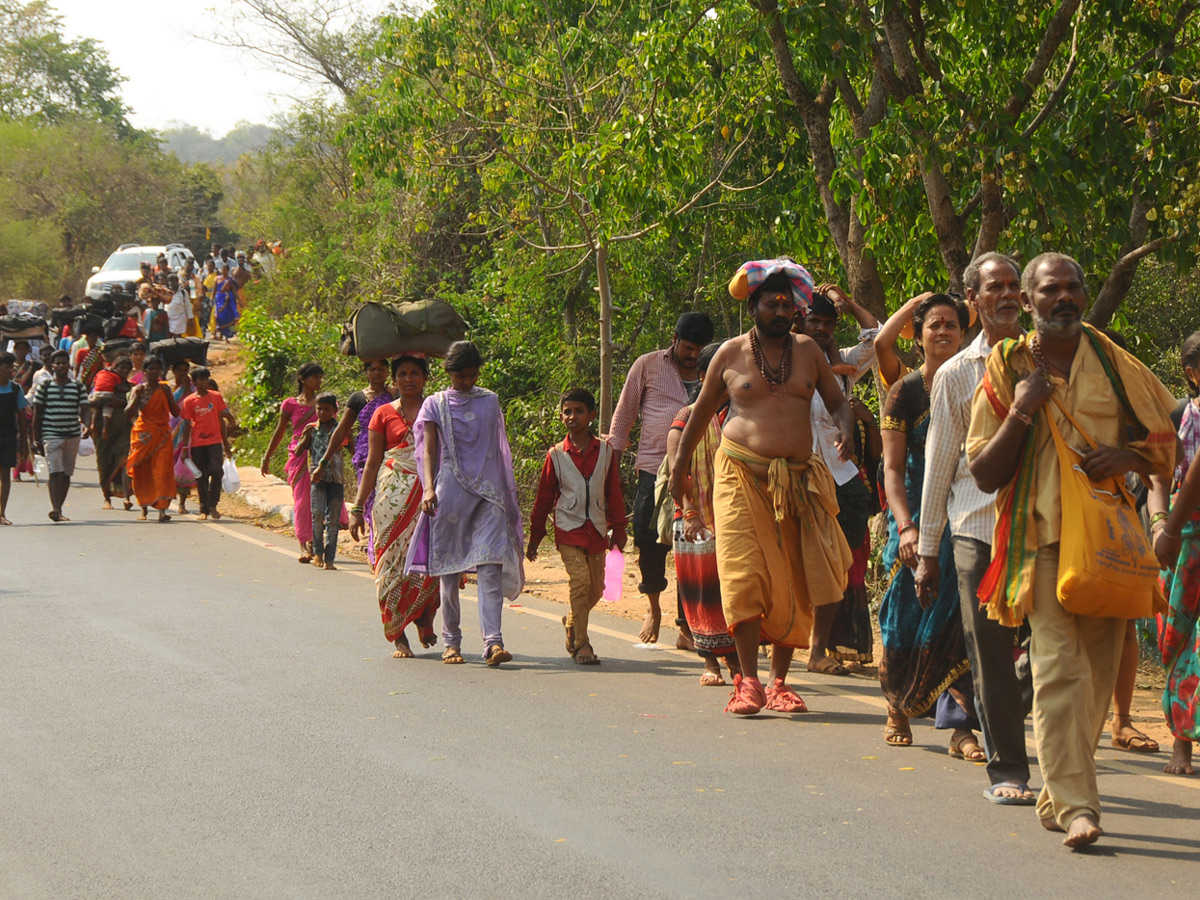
<point x="47" y="78"/>
<point x="79" y="193"/>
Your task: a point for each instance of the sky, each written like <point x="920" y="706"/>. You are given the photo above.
<point x="172" y="74"/>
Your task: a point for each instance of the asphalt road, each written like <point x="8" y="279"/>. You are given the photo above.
<point x="187" y="712"/>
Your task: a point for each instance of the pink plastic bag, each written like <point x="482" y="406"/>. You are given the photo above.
<point x="614" y="572"/>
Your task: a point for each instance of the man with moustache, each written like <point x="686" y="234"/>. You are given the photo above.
<point x="1002" y="696"/>
<point x="656" y="389"/>
<point x="1126" y="412"/>
<point x="780" y="551"/>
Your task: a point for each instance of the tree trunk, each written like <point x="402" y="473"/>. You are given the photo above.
<point x="606" y="360"/>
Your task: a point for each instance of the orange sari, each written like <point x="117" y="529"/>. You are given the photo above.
<point x="151" y="465"/>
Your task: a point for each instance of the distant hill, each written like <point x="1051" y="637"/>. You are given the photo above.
<point x="192" y="145"/>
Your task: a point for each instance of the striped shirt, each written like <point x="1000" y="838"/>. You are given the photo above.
<point x="654" y="389"/>
<point x="949" y="492"/>
<point x="60" y="408"/>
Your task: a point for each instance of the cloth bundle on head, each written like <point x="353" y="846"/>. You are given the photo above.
<point x="752" y="274"/>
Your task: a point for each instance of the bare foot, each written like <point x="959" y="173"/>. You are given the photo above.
<point x="107" y="504"/>
<point x="143" y="516"/>
<point x="684" y="642"/>
<point x="649" y="632"/>
<point x="1082" y="831"/>
<point x="330" y="567"/>
<point x="1051" y="825"/>
<point x="203" y="517"/>
<point x="826" y="665"/>
<point x="1180" y="762"/>
<point x="402" y="651"/>
<point x="5" y="521"/>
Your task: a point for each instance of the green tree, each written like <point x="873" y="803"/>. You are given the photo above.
<point x="939" y="131"/>
<point x="47" y="77"/>
<point x="586" y="128"/>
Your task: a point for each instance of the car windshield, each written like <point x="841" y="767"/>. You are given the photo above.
<point x="127" y="260"/>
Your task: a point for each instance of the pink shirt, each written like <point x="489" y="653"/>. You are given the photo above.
<point x="654" y="390"/>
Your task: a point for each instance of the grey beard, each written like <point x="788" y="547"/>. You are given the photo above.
<point x="1053" y="329"/>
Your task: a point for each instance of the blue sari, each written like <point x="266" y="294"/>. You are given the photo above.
<point x="924" y="652"/>
<point x="225" y="306"/>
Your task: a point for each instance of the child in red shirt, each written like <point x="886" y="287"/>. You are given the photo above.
<point x="581" y="481"/>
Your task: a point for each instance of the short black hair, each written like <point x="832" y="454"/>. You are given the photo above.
<point x="695" y="328"/>
<point x="8" y="358"/>
<point x="328" y="399"/>
<point x="200" y="372"/>
<point x="60" y="354"/>
<point x="578" y="395"/>
<point x="461" y="356"/>
<point x="137" y="345"/>
<point x="822" y="306"/>
<point x="415" y="360"/>
<point x="1189" y="358"/>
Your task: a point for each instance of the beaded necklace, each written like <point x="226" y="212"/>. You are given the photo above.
<point x="776" y="378"/>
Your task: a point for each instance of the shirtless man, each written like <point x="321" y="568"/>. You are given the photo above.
<point x="779" y="548"/>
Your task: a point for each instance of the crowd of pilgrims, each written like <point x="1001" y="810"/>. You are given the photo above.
<point x="434" y="497"/>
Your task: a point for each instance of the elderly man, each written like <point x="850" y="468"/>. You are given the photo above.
<point x="1069" y="377"/>
<point x="1002" y="696"/>
<point x="656" y="388"/>
<point x="854" y="638"/>
<point x="780" y="552"/>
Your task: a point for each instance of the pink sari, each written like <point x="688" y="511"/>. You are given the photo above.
<point x="297" y="471"/>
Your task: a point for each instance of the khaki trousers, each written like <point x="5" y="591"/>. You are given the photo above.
<point x="585" y="577"/>
<point x="1074" y="660"/>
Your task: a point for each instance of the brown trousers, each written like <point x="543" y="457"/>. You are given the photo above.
<point x="585" y="577"/>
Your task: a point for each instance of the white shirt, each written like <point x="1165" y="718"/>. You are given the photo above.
<point x="825" y="431"/>
<point x="949" y="492"/>
<point x="177" y="312"/>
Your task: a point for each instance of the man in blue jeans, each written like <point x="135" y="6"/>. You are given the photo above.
<point x="656" y="389"/>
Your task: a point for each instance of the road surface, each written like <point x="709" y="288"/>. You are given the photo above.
<point x="188" y="713"/>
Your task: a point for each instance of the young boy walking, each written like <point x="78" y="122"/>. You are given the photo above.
<point x="328" y="481"/>
<point x="204" y="413"/>
<point x="581" y="481"/>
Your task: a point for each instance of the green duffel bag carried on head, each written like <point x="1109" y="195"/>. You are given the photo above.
<point x="383" y="330"/>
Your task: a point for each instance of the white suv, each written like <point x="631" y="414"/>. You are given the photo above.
<point x="125" y="265"/>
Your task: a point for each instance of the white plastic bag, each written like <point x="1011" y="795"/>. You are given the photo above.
<point x="41" y="468"/>
<point x="86" y="446"/>
<point x="231" y="482"/>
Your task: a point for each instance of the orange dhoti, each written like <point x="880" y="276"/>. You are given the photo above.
<point x="151" y="460"/>
<point x="780" y="550"/>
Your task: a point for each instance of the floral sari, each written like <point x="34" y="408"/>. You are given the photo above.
<point x="402" y="598"/>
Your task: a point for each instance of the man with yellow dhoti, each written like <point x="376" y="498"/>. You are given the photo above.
<point x="1063" y="387"/>
<point x="780" y="551"/>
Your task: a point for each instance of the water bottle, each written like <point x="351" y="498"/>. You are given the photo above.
<point x="614" y="572"/>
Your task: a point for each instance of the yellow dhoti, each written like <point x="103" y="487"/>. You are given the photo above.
<point x="780" y="551"/>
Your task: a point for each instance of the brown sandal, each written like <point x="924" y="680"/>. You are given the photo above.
<point x="452" y="656"/>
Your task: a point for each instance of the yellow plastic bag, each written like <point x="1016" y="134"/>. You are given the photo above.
<point x="1106" y="567"/>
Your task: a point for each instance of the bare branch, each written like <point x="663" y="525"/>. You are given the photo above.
<point x="1056" y="33"/>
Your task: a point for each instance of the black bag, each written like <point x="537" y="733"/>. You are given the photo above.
<point x="21" y="322"/>
<point x="383" y="330"/>
<point x="105" y="308"/>
<point x="61" y="317"/>
<point x="112" y="327"/>
<point x="118" y="345"/>
<point x="184" y="349"/>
